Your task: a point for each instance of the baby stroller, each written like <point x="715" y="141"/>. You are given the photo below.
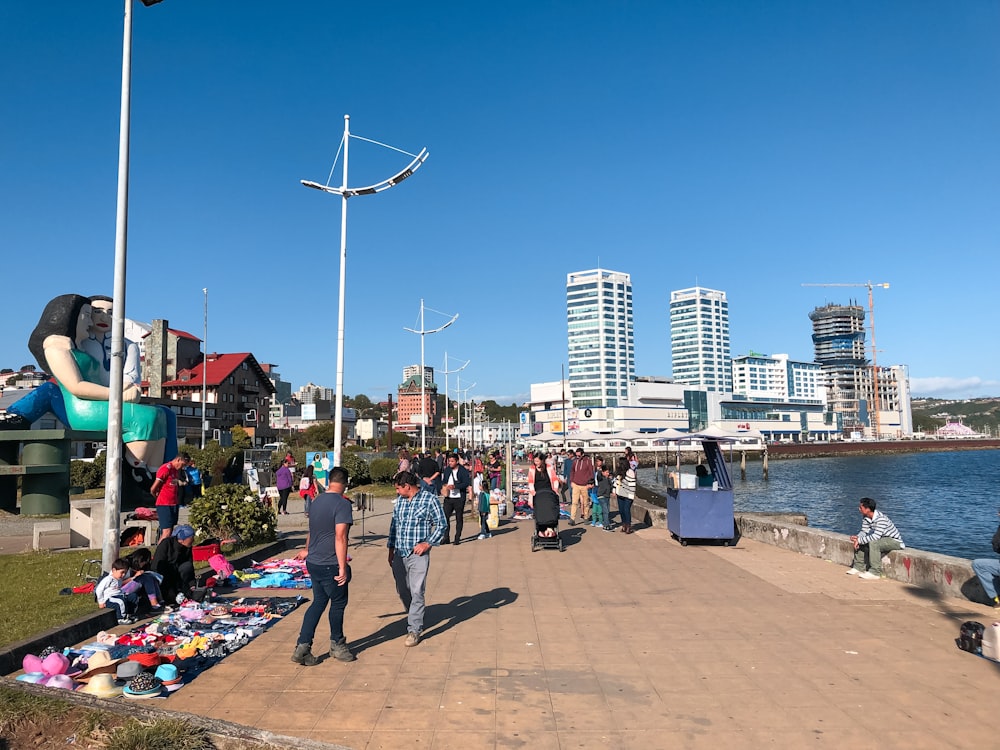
<point x="546" y="517"/>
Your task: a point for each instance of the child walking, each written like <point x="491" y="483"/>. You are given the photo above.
<point x="604" y="496"/>
<point x="483" y="500"/>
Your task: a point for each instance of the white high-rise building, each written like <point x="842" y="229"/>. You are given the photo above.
<point x="601" y="337"/>
<point x="413" y="371"/>
<point x="777" y="378"/>
<point x="699" y="339"/>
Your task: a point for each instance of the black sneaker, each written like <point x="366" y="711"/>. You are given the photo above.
<point x="10" y="421"/>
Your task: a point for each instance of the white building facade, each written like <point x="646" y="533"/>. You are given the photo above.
<point x="778" y="377"/>
<point x="600" y="337"/>
<point x="699" y="339"/>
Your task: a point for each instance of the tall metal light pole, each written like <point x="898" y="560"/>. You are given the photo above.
<point x="447" y="372"/>
<point x="113" y="474"/>
<point x="204" y="375"/>
<point x="461" y="401"/>
<point x="345" y="192"/>
<point x="423" y="380"/>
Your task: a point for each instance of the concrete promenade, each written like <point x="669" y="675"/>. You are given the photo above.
<point x="619" y="642"/>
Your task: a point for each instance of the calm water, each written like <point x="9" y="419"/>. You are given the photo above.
<point x="940" y="502"/>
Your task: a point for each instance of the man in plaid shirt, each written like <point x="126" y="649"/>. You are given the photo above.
<point x="418" y="523"/>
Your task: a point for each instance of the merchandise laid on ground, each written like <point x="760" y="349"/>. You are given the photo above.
<point x="156" y="659"/>
<point x="277" y="574"/>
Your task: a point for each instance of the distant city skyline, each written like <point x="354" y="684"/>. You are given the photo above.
<point x="746" y="147"/>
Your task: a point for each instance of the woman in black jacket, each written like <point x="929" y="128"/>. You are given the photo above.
<point x="174" y="561"/>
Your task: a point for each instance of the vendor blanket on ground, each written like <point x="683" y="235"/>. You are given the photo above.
<point x="155" y="659"/>
<point x="276" y="574"/>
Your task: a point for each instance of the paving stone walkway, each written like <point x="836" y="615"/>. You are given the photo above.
<point x="619" y="642"/>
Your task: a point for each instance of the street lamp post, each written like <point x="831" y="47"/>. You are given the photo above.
<point x="447" y="372"/>
<point x="423" y="380"/>
<point x="204" y="375"/>
<point x="113" y="474"/>
<point x="345" y="192"/>
<point x="461" y="401"/>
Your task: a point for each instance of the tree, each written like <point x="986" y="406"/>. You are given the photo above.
<point x="364" y="406"/>
<point x="319" y="436"/>
<point x="241" y="438"/>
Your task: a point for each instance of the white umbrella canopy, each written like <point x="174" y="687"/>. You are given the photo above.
<point x="545" y="437"/>
<point x="632" y="435"/>
<point x="584" y="436"/>
<point x="670" y="435"/>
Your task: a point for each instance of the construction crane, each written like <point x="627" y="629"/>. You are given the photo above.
<point x="871" y="317"/>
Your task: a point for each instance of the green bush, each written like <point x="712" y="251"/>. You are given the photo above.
<point x="85" y="474"/>
<point x="383" y="470"/>
<point x="357" y="469"/>
<point x="230" y="511"/>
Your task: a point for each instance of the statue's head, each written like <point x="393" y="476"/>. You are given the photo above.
<point x="66" y="315"/>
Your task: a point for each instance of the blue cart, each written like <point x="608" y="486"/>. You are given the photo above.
<point x="705" y="512"/>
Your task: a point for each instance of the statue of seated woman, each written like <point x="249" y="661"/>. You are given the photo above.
<point x="56" y="345"/>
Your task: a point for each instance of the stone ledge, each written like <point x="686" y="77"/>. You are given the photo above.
<point x="943" y="574"/>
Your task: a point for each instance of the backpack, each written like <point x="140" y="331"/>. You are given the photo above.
<point x="222" y="567"/>
<point x="304" y="483"/>
<point x="970" y="637"/>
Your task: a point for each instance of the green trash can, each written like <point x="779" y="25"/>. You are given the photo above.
<point x="45" y="484"/>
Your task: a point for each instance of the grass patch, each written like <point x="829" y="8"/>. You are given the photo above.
<point x="29" y="589"/>
<point x="18" y="707"/>
<point x="162" y="733"/>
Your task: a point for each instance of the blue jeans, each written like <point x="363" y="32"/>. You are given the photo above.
<point x="325" y="591"/>
<point x="988" y="570"/>
<point x="605" y="503"/>
<point x="625" y="510"/>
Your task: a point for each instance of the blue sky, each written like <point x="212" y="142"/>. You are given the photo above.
<point x="743" y="146"/>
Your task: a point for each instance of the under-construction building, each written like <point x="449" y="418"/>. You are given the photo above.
<point x="839" y="342"/>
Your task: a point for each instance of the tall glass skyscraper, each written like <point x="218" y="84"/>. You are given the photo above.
<point x="601" y="337"/>
<point x="699" y="339"/>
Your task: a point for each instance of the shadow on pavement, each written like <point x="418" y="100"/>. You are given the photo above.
<point x="439" y="618"/>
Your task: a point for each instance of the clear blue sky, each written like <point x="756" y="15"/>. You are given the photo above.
<point x="743" y="146"/>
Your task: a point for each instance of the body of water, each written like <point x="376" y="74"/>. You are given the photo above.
<point x="940" y="502"/>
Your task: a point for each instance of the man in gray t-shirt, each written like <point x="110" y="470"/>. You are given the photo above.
<point x="330" y="520"/>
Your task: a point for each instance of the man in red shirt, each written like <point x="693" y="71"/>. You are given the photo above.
<point x="167" y="491"/>
<point x="581" y="479"/>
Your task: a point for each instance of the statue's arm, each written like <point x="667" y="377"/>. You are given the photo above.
<point x="63" y="367"/>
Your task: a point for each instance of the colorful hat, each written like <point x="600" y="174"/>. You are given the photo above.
<point x="128" y="670"/>
<point x="100" y="662"/>
<point x="59" y="681"/>
<point x="167" y="674"/>
<point x="144" y="686"/>
<point x="102" y="685"/>
<point x="147" y="660"/>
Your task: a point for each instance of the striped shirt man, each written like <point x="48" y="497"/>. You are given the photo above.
<point x="879" y="526"/>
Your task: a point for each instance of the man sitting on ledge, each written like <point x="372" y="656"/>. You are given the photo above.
<point x="878" y="536"/>
<point x="987" y="569"/>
